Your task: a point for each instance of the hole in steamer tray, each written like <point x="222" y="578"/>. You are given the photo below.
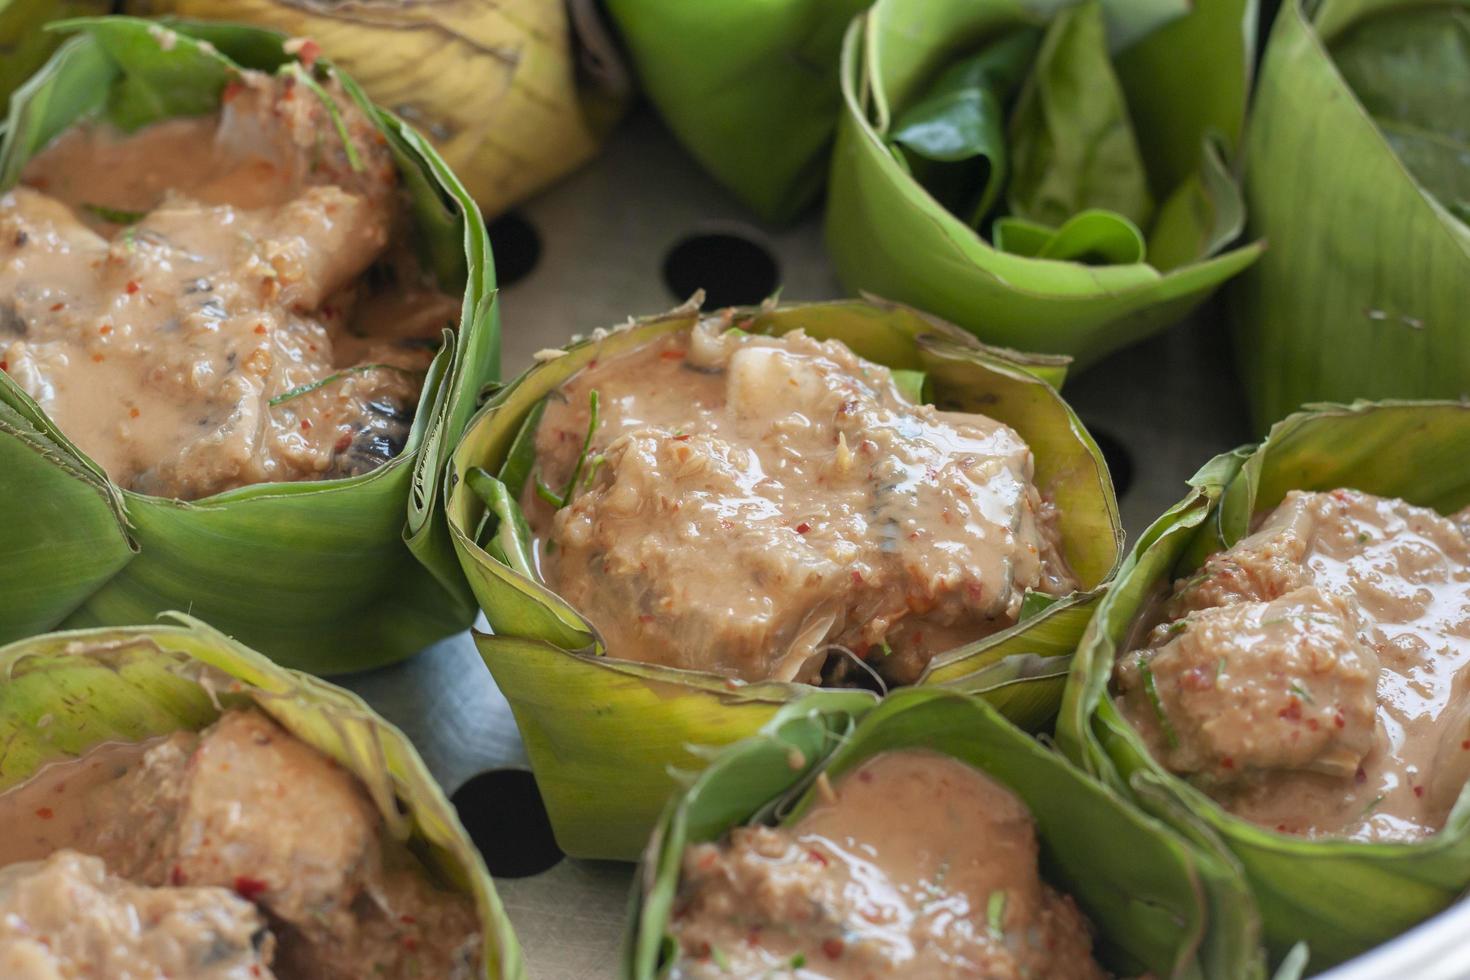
<point x="732" y="269"/>
<point x="503" y="811"/>
<point x="1118" y="457"/>
<point x="516" y="245"/>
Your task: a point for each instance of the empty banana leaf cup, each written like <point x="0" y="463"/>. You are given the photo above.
<point x="246" y="315"/>
<point x="678" y="525"/>
<point x="175" y="804"/>
<point x="1280" y="665"/>
<point x="1050" y="179"/>
<point x="927" y="831"/>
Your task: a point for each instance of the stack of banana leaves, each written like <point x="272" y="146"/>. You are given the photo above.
<point x="605" y="734"/>
<point x="1053" y="178"/>
<point x="514" y="94"/>
<point x="72" y="693"/>
<point x="1358" y="174"/>
<point x="327" y="574"/>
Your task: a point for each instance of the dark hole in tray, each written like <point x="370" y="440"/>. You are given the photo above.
<point x="731" y="269"/>
<point x="1118" y="457"/>
<point x="516" y="246"/>
<point x="503" y="811"/>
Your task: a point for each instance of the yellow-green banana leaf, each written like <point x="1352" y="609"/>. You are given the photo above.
<point x="62" y="694"/>
<point x="1098" y="282"/>
<point x="1357" y="175"/>
<point x="1341" y="897"/>
<point x="24" y="46"/>
<point x="1160" y="903"/>
<point x="496" y="85"/>
<point x="604" y="734"/>
<point x="328" y="576"/>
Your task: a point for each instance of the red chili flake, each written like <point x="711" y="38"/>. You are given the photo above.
<point x="1418" y="790"/>
<point x="98" y="358"/>
<point x="1360" y="776"/>
<point x="753" y="938"/>
<point x="305" y="424"/>
<point x="45" y="812"/>
<point x="260" y="328"/>
<point x="343" y="443"/>
<point x="865" y="777"/>
<point x="4" y="365"/>
<point x="329" y="310"/>
<point x="672" y="355"/>
<point x="1312" y="724"/>
<point x="707" y="860"/>
<point x="815" y="855"/>
<point x="105" y="329"/>
<point x="1292" y="711"/>
<point x="176" y="876"/>
<point x="1227" y="763"/>
<point x="309" y="52"/>
<point x="250" y="888"/>
<point x="411" y="944"/>
<point x="832" y="948"/>
<point x="1281" y="827"/>
<point x="1465" y="745"/>
<point x="1339" y="720"/>
<point x="233" y="89"/>
<point x="701" y="951"/>
<point x="407" y="920"/>
<point x="131" y="287"/>
<point x="645" y="618"/>
<point x="57" y="306"/>
<point x="134" y="412"/>
<point x="682" y="437"/>
<point x="857" y="577"/>
<point x="803" y="527"/>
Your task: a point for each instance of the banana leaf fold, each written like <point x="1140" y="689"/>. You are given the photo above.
<point x="1160" y="903"/>
<point x="1049" y="177"/>
<point x="62" y="694"/>
<point x="605" y="735"/>
<point x="1340" y="897"/>
<point x="1357" y="173"/>
<point x="501" y="88"/>
<point x="329" y="576"/>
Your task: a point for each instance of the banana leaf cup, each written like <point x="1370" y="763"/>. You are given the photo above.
<point x="1092" y="145"/>
<point x="1160" y="903"/>
<point x="1340" y="897"/>
<point x="602" y="733"/>
<point x="501" y="90"/>
<point x="749" y="88"/>
<point x="328" y="575"/>
<point x="63" y="694"/>
<point x="1356" y="174"/>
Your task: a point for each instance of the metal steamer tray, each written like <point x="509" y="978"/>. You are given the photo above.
<point x="635" y="233"/>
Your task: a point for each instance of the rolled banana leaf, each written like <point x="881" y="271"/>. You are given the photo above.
<point x="1358" y="175"/>
<point x="1092" y="144"/>
<point x="329" y="575"/>
<point x="62" y="694"/>
<point x="24" y="45"/>
<point x="603" y="734"/>
<point x="1160" y="903"/>
<point x="1340" y="897"/>
<point x="496" y="85"/>
<point x="749" y="88"/>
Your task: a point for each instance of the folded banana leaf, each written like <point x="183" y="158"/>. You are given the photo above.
<point x="330" y="575"/>
<point x="1049" y="179"/>
<point x="24" y="45"/>
<point x="603" y="734"/>
<point x="749" y="88"/>
<point x="1160" y="903"/>
<point x="1358" y="176"/>
<point x="498" y="86"/>
<point x="1341" y="897"/>
<point x="62" y="694"/>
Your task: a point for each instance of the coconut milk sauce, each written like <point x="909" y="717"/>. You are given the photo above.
<point x="160" y="293"/>
<point x="917" y="865"/>
<point x="1406" y="572"/>
<point x="754" y="500"/>
<point x="58" y="806"/>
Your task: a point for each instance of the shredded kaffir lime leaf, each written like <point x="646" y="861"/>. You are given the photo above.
<point x="560" y="500"/>
<point x="1152" y="690"/>
<point x="300" y="390"/>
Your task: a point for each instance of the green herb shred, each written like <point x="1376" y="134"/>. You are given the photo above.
<point x="1152" y="690"/>
<point x="995" y="914"/>
<point x="115" y="215"/>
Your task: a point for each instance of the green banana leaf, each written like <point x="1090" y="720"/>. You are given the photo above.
<point x="1341" y="897"/>
<point x="1160" y="903"/>
<point x="748" y="88"/>
<point x="1357" y="175"/>
<point x="603" y="733"/>
<point x="331" y="575"/>
<point x="24" y="45"/>
<point x="1129" y="120"/>
<point x="62" y="694"/>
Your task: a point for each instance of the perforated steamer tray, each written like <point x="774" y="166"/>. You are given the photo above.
<point x="594" y="251"/>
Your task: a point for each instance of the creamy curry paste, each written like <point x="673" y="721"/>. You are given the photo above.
<point x="1312" y="678"/>
<point x="213" y="302"/>
<point x="918" y="866"/>
<point x="758" y="505"/>
<point x="236" y="852"/>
